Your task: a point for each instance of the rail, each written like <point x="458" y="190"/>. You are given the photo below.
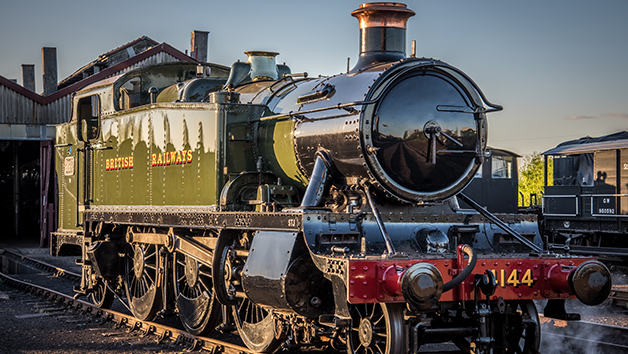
<point x="576" y="337"/>
<point x="58" y="272"/>
<point x="145" y="327"/>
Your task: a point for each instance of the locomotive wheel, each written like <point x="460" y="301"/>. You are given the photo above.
<point x="142" y="279"/>
<point x="101" y="296"/>
<point x="258" y="327"/>
<point x="524" y="334"/>
<point x="198" y="309"/>
<point x="376" y="329"/>
<point x="222" y="267"/>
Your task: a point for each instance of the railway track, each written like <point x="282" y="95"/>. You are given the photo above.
<point x="576" y="337"/>
<point x="557" y="336"/>
<point x="59" y="301"/>
<point x="22" y="264"/>
<point x="619" y="296"/>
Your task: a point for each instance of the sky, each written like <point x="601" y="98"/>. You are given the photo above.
<point x="559" y="67"/>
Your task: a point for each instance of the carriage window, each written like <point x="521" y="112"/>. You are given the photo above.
<point x="130" y="93"/>
<point x="585" y="169"/>
<point x="566" y="170"/>
<point x="88" y="114"/>
<point x="501" y="167"/>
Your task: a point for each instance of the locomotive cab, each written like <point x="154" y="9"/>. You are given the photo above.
<point x="168" y="83"/>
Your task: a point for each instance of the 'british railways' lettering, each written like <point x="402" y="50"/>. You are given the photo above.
<point x="119" y="163"/>
<point x="172" y="158"/>
<point x="163" y="159"/>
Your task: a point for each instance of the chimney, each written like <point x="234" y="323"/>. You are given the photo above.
<point x="263" y="65"/>
<point x="49" y="63"/>
<point x="382" y="32"/>
<point x="198" y="45"/>
<point x="28" y="76"/>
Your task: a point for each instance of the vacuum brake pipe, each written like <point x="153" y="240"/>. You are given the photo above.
<point x="466" y="249"/>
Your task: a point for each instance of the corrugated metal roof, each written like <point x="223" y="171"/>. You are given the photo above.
<point x="154" y="51"/>
<point x="111" y="58"/>
<point x="587" y="144"/>
<point x="130" y="44"/>
<point x="21" y="106"/>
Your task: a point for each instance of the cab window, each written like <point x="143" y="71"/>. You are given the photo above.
<point x="501" y="167"/>
<point x="88" y="113"/>
<point x="130" y="93"/>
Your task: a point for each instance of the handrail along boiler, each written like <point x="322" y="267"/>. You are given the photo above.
<point x="305" y="211"/>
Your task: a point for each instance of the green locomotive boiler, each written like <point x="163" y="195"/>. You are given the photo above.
<point x="306" y="211"/>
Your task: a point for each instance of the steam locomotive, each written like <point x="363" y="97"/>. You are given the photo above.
<point x="306" y="211"/>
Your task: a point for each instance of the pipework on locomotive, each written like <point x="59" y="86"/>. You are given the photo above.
<point x="304" y="211"/>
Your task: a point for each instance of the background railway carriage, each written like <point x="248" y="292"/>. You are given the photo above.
<point x="586" y="207"/>
<point x="306" y="211"/>
<point x="496" y="184"/>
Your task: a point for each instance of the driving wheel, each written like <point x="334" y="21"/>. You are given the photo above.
<point x="258" y="327"/>
<point x="101" y="295"/>
<point x="523" y="328"/>
<point x="376" y="329"/>
<point x="199" y="310"/>
<point x="224" y="265"/>
<point x="142" y="280"/>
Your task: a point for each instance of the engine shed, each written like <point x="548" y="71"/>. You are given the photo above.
<point x="28" y="185"/>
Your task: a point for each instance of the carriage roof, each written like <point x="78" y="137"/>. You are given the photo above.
<point x="588" y="144"/>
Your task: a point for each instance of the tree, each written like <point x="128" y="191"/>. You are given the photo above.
<point x="532" y="178"/>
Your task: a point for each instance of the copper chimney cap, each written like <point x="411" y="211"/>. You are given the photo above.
<point x="383" y="14"/>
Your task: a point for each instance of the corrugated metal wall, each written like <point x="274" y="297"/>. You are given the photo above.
<point x="58" y="111"/>
<point x="16" y="108"/>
